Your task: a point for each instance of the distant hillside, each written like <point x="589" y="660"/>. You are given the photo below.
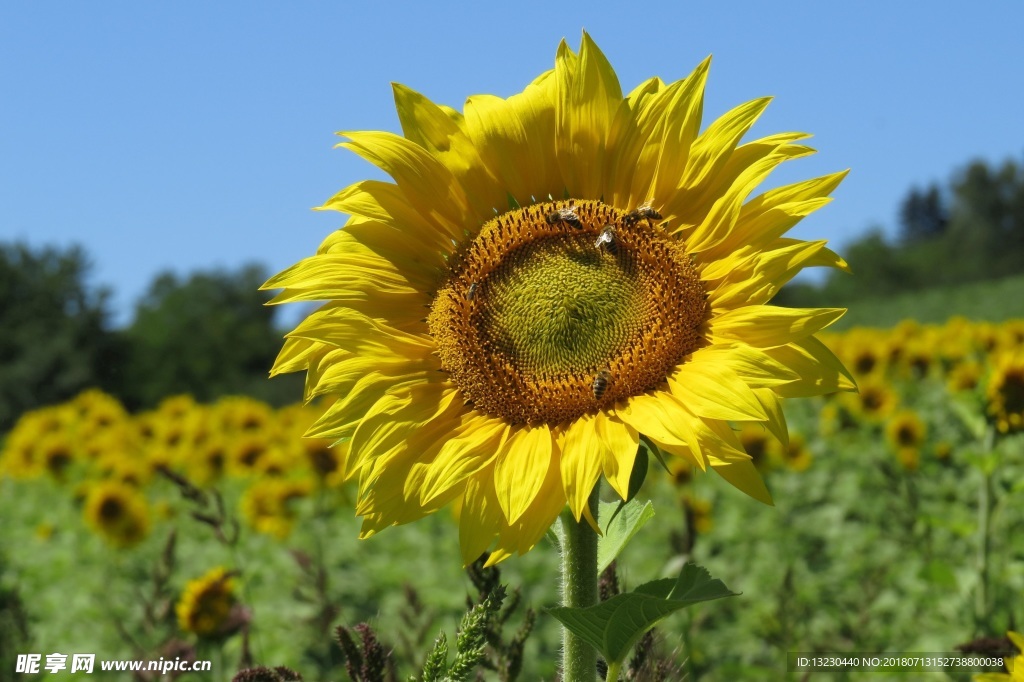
<point x="993" y="301"/>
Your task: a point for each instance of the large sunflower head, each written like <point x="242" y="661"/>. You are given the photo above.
<point x="549" y="277"/>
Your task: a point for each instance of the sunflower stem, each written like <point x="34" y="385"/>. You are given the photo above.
<point x="985" y="507"/>
<point x="579" y="590"/>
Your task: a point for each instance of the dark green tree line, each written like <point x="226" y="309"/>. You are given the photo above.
<point x="54" y="330"/>
<point x="208" y="334"/>
<point x="968" y="231"/>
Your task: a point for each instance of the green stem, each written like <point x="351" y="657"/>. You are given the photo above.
<point x="984" y="540"/>
<point x="579" y="590"/>
<point x="614" y="668"/>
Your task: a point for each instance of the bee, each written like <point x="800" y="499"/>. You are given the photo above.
<point x="471" y="292"/>
<point x="607" y="239"/>
<point x="644" y="211"/>
<point x="601" y="381"/>
<point x="564" y="215"/>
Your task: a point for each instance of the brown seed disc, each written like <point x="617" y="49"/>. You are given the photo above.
<point x="548" y="314"/>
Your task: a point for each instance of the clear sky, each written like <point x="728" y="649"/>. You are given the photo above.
<point x="189" y="135"/>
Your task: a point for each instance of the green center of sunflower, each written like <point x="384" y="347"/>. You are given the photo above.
<point x="564" y="307"/>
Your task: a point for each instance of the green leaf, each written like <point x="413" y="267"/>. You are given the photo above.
<point x="653" y="449"/>
<point x="637" y="476"/>
<point x="554" y="534"/>
<point x="513" y="203"/>
<point x="613" y="627"/>
<point x="939" y="573"/>
<point x="619" y="528"/>
<point x="970" y="415"/>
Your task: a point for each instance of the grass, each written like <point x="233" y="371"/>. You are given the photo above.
<point x="992" y="301"/>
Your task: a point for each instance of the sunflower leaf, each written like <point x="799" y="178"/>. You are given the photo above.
<point x="652" y="449"/>
<point x="614" y="626"/>
<point x="620" y="528"/>
<point x="637" y="476"/>
<point x="639" y="473"/>
<point x="970" y="414"/>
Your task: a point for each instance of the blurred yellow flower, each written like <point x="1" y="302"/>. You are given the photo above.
<point x="117" y="512"/>
<point x="206" y="603"/>
<point x="1006" y="392"/>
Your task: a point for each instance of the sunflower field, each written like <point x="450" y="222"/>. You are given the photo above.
<point x="216" y="532"/>
<point x="526" y="352"/>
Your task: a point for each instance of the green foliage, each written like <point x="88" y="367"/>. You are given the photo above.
<point x="619" y="522"/>
<point x="614" y="626"/>
<point x="14" y="630"/>
<point x="970" y="231"/>
<point x="208" y="335"/>
<point x="993" y="301"/>
<point x="55" y="340"/>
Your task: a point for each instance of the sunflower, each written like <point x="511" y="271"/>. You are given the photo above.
<point x="905" y="430"/>
<point x="117" y="512"/>
<point x="1006" y="392"/>
<point x="206" y="603"/>
<point x="873" y="402"/>
<point x="795" y="455"/>
<point x="550" y="277"/>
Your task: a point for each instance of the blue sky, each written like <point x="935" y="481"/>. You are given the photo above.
<point x="192" y="135"/>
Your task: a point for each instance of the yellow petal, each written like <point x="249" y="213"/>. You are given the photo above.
<point x="712" y="390"/>
<point x="496" y="131"/>
<point x="758" y="278"/>
<point x="712" y="149"/>
<point x="588" y="97"/>
<point x="621" y="442"/>
<point x="583" y="452"/>
<point x="672" y="125"/>
<point x="721" y="221"/>
<point x="764" y="326"/>
<point x="820" y="370"/>
<point x="689" y="207"/>
<point x="520" y="468"/>
<point x="773" y="213"/>
<point x="441" y="133"/>
<point x="776" y="417"/>
<point x="390" y="422"/>
<point x="655" y="415"/>
<point x="473" y="447"/>
<point x="386" y="204"/>
<point x="481" y="516"/>
<point x="535" y="109"/>
<point x="427" y="184"/>
<point x="295" y="356"/>
<point x="339" y="277"/>
<point x="745" y="477"/>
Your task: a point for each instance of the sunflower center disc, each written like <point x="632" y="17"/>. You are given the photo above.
<point x="562" y="308"/>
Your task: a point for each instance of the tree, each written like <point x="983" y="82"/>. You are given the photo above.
<point x="923" y="215"/>
<point x="987" y="220"/>
<point x="209" y="335"/>
<point x="56" y="338"/>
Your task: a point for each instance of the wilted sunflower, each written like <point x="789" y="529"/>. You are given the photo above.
<point x="549" y="277"/>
